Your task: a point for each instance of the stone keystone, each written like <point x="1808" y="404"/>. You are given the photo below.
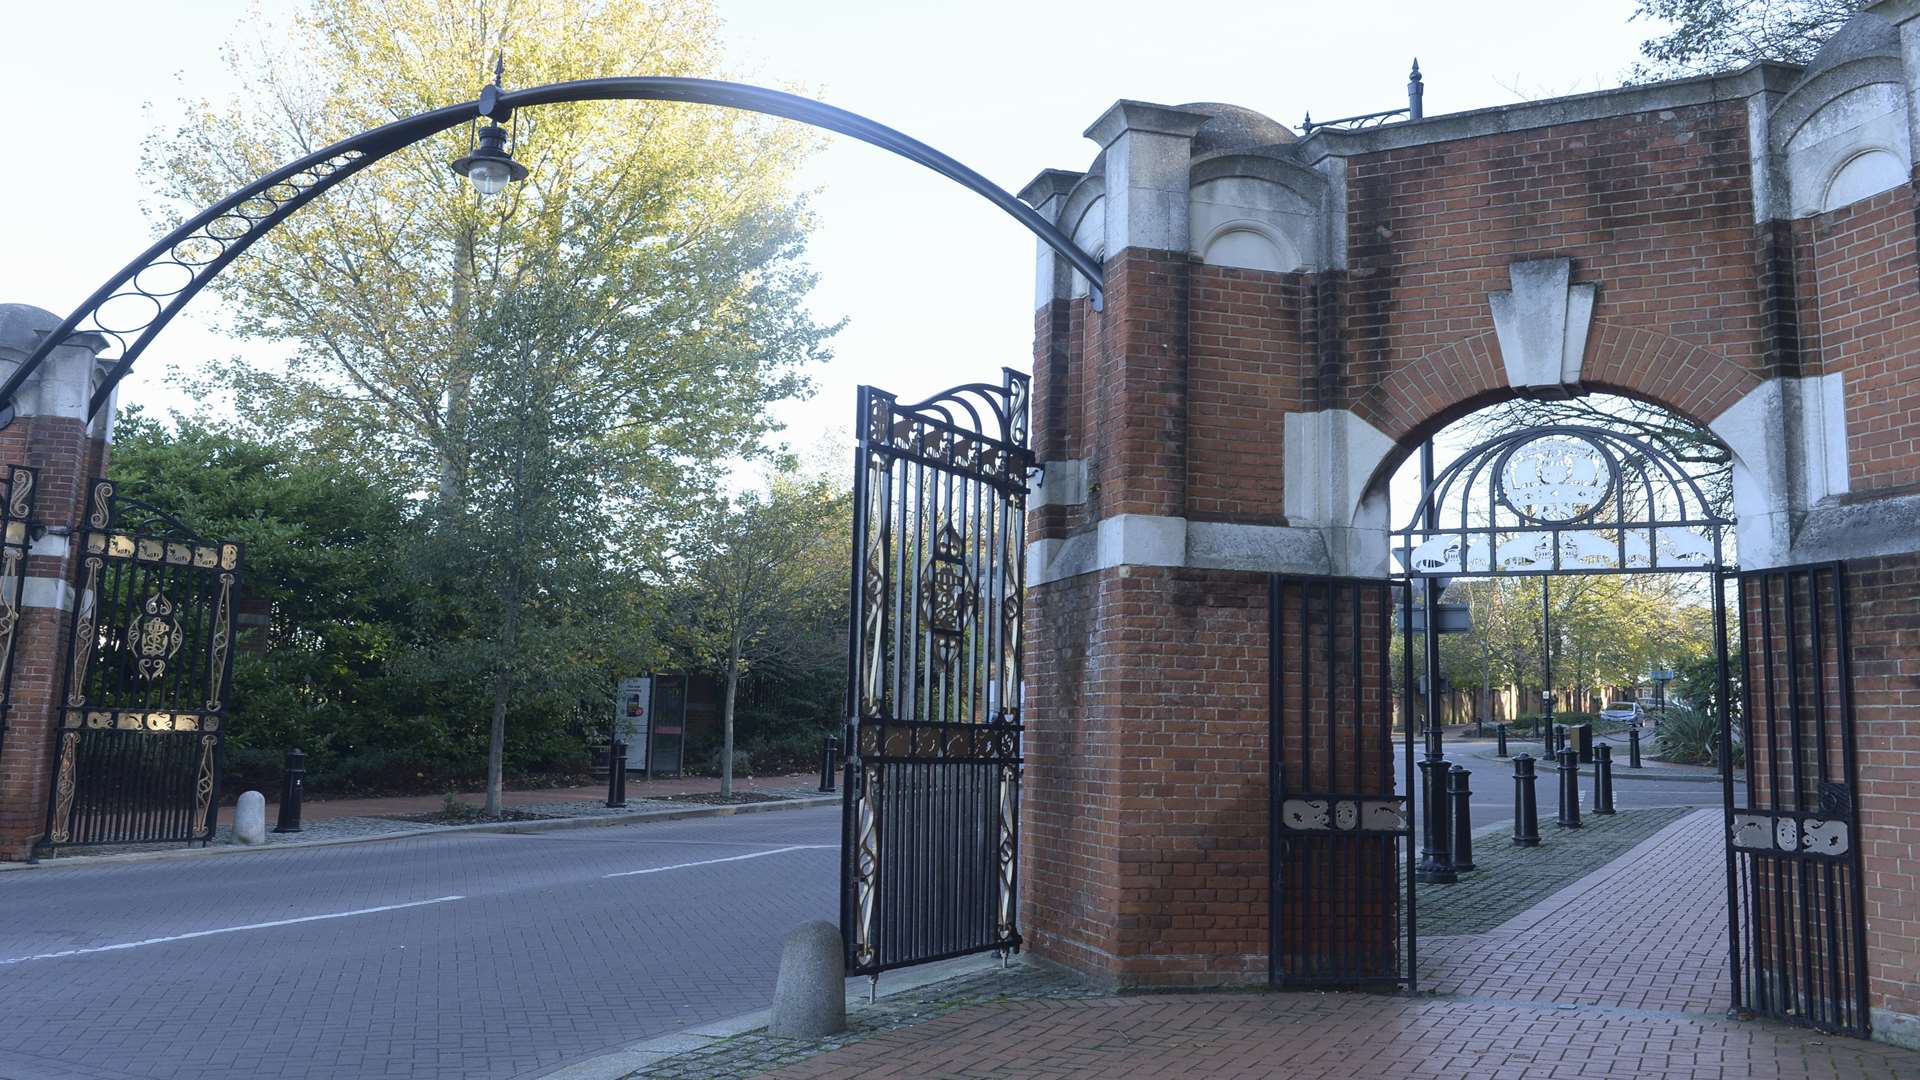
<point x="1542" y="325"/>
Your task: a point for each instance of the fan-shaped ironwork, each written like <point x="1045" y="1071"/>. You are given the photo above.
<point x="1562" y="499"/>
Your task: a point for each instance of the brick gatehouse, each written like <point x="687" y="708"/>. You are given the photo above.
<point x="1288" y="316"/>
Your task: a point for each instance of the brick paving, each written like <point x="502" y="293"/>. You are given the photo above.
<point x="1620" y="973"/>
<point x="1509" y="880"/>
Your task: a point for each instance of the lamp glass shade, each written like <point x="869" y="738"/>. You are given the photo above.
<point x="489" y="177"/>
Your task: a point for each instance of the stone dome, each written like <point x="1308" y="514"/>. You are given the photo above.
<point x="1234" y="128"/>
<point x="1863" y="35"/>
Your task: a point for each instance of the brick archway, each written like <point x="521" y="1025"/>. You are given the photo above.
<point x="1419" y="398"/>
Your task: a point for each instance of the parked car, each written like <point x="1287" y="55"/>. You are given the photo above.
<point x="1623" y="712"/>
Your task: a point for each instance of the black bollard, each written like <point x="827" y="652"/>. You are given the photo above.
<point x="829" y="750"/>
<point x="1459" y="794"/>
<point x="616" y="773"/>
<point x="1500" y="734"/>
<point x="1437" y="858"/>
<point x="1569" y="790"/>
<point x="1633" y="748"/>
<point x="1583" y="741"/>
<point x="1526" y="806"/>
<point x="1603" y="779"/>
<point x="293" y="785"/>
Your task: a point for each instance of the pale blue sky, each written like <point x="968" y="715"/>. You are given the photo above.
<point x="936" y="283"/>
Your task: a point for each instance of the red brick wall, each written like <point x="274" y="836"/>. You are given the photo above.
<point x="1145" y="813"/>
<point x="1145" y="849"/>
<point x="65" y="459"/>
<point x="1655" y="207"/>
<point x="1862" y="278"/>
<point x="1884" y="598"/>
<point x="1250" y="351"/>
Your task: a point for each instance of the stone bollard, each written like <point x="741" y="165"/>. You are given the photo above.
<point x="1603" y="779"/>
<point x="1569" y="790"/>
<point x="1526" y="807"/>
<point x="293" y="787"/>
<point x="250" y="818"/>
<point x="810" y="992"/>
<point x="1460" y="795"/>
<point x="1633" y="748"/>
<point x="1500" y="746"/>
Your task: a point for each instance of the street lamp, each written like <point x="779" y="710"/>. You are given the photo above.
<point x="1660" y="680"/>
<point x="491" y="164"/>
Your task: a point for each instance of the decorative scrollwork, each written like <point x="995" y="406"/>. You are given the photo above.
<point x="1004" y="848"/>
<point x="83" y="632"/>
<point x="63" y="788"/>
<point x="203" y="788"/>
<point x="948" y="594"/>
<point x="222" y="634"/>
<point x="144" y="297"/>
<point x="155" y="635"/>
<point x="20" y="493"/>
<point x="866" y="870"/>
<point x="1562" y="499"/>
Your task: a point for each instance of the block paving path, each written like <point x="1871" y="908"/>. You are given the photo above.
<point x="1620" y="974"/>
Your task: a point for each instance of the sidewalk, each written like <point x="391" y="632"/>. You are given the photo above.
<point x="1619" y="974"/>
<point x="1463" y="750"/>
<point x="638" y="790"/>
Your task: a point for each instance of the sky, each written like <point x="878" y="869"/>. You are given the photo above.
<point x="935" y="283"/>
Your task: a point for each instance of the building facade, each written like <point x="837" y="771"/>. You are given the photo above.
<point x="1287" y="317"/>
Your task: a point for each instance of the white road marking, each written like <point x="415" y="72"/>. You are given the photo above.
<point x="227" y="930"/>
<point x="710" y="862"/>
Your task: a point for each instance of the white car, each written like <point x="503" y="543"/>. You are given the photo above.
<point x="1623" y="712"/>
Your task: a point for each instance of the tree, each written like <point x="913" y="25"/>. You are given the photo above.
<point x="555" y="372"/>
<point x="669" y="228"/>
<point x="319" y="538"/>
<point x="766" y="585"/>
<point x="1706" y="36"/>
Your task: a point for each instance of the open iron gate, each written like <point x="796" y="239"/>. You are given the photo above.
<point x="1336" y="826"/>
<point x="147" y="675"/>
<point x="931" y="800"/>
<point x="1796" y="912"/>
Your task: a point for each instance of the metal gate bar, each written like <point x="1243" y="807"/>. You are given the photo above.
<point x="929" y="837"/>
<point x="146" y="679"/>
<point x="1335" y="823"/>
<point x="1798" y="951"/>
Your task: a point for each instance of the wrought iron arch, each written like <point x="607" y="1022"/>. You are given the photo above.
<point x="137" y="303"/>
<point x="1561" y="499"/>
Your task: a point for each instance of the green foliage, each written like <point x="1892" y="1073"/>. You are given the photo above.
<point x="542" y="383"/>
<point x="1689" y="738"/>
<point x="1705" y="36"/>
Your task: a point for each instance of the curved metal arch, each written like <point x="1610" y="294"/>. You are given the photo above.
<point x="180" y="264"/>
<point x="1481" y="514"/>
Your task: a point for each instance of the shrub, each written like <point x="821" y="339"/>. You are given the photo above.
<point x="1691" y="738"/>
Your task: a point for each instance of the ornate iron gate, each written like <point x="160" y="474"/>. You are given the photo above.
<point x="147" y="677"/>
<point x="1336" y="826"/>
<point x="931" y="803"/>
<point x="16" y="524"/>
<point x="1798" y="945"/>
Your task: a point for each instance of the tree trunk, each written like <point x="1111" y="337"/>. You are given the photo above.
<point x="726" y="723"/>
<point x="502" y="686"/>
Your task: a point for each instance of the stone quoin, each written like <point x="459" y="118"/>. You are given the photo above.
<point x="1288" y="316"/>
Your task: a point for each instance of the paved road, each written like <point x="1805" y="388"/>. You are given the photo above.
<point x="1492" y="782"/>
<point x="452" y="955"/>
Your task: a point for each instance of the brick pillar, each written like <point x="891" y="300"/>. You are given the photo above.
<point x="51" y="435"/>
